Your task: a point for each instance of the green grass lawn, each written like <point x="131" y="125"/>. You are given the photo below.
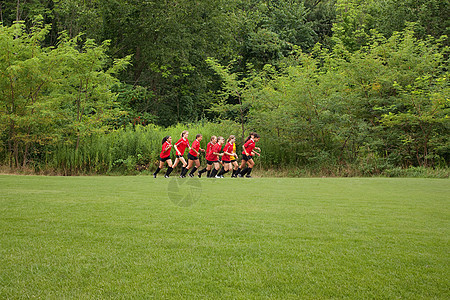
<point x="139" y="237"/>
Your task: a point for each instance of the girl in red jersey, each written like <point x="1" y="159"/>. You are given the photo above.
<point x="247" y="155"/>
<point x="215" y="154"/>
<point x="208" y="157"/>
<point x="194" y="154"/>
<point x="165" y="156"/>
<point x="180" y="147"/>
<point x="226" y="158"/>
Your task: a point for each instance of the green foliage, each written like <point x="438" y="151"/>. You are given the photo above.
<point x="51" y="95"/>
<point x="263" y="47"/>
<point x="288" y="19"/>
<point x="422" y="122"/>
<point x="371" y="97"/>
<point x="27" y="111"/>
<point x="170" y="42"/>
<point x="232" y="102"/>
<point x="358" y="20"/>
<point x="382" y="106"/>
<point x="135" y="105"/>
<point x="86" y="88"/>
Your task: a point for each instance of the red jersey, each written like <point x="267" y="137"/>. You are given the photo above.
<point x="228" y="148"/>
<point x="249" y="146"/>
<point x="216" y="148"/>
<point x="209" y="155"/>
<point x="165" y="152"/>
<point x="196" y="146"/>
<point x="182" y="144"/>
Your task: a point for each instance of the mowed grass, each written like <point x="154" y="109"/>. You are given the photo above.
<point x="136" y="237"/>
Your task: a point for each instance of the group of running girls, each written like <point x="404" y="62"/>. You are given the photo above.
<point x="215" y="155"/>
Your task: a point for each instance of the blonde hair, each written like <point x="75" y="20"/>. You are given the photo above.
<point x="230" y="138"/>
<point x="184" y="132"/>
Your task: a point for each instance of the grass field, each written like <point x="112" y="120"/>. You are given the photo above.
<point x="140" y="237"/>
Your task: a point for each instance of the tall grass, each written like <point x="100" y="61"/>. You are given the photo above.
<point x="129" y="150"/>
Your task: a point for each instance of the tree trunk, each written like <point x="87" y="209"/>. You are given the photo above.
<point x="17" y="11"/>
<point x="16" y="153"/>
<point x="25" y="152"/>
<point x="79" y="113"/>
<point x="1" y="13"/>
<point x="10" y="143"/>
<point x="241" y="110"/>
<point x="242" y="125"/>
<point x="12" y="125"/>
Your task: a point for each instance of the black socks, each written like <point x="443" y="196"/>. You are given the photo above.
<point x="169" y="170"/>
<point x="214" y="173"/>
<point x="222" y="171"/>
<point x="183" y="171"/>
<point x="157" y="171"/>
<point x="193" y="171"/>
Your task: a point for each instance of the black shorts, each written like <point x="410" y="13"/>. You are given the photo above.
<point x="164" y="159"/>
<point x="246" y="158"/>
<point x="210" y="162"/>
<point x="179" y="156"/>
<point x="226" y="161"/>
<point x="192" y="157"/>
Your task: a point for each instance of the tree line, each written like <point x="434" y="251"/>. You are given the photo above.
<point x="358" y="84"/>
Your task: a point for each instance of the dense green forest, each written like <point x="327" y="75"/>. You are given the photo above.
<point x="336" y="87"/>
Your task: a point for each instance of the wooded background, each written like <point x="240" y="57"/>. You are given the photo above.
<point x="345" y="87"/>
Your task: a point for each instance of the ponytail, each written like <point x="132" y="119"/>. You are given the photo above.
<point x="252" y="134"/>
<point x="165" y="139"/>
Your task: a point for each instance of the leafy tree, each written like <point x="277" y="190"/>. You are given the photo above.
<point x="85" y="88"/>
<point x="321" y="16"/>
<point x="357" y="20"/>
<point x="232" y="102"/>
<point x="135" y="103"/>
<point x="288" y="18"/>
<point x="51" y="93"/>
<point x="170" y="41"/>
<point x="422" y="124"/>
<point x="382" y="106"/>
<point x="26" y="110"/>
<point x="379" y="75"/>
